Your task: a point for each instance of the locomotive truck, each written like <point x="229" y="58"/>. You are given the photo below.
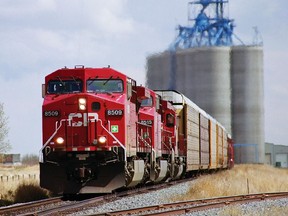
<point x="101" y="132"/>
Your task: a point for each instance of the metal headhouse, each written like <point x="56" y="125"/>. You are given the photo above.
<point x="209" y="26"/>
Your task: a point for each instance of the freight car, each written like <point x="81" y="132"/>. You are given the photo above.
<point x="102" y="132"/>
<point x="205" y="142"/>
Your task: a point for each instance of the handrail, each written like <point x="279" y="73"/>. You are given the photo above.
<point x="144" y="141"/>
<point x="141" y="138"/>
<point x="56" y="130"/>
<point x="170" y="148"/>
<point x="115" y="138"/>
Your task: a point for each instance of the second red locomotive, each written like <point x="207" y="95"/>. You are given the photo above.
<point x="102" y="132"/>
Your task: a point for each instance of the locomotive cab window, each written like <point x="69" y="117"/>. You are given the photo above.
<point x="64" y="86"/>
<point x="170" y="120"/>
<point x="147" y="102"/>
<point x="105" y="85"/>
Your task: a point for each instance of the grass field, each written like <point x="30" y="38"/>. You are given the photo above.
<point x="12" y="177"/>
<point x="242" y="179"/>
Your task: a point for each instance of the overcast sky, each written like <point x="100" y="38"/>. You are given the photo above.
<point x="39" y="36"/>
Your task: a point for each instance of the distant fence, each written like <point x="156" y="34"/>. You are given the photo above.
<point x="7" y="178"/>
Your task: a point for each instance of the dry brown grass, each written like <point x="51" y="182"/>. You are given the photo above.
<point x="9" y="184"/>
<point x="242" y="179"/>
<point x="16" y="181"/>
<point x="19" y="170"/>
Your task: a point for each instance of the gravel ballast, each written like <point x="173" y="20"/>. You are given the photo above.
<point x="272" y="207"/>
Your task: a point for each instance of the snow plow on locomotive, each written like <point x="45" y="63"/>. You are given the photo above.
<point x="102" y="132"/>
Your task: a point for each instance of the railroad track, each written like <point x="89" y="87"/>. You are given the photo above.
<point x="56" y="206"/>
<point x="24" y="207"/>
<point x="195" y="205"/>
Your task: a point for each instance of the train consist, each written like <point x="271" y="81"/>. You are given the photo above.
<point x="102" y="132"/>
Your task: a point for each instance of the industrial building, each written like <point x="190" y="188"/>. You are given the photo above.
<point x="276" y="155"/>
<point x="10" y="159"/>
<point x="223" y="78"/>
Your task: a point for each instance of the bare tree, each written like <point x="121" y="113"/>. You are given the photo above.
<point x="30" y="159"/>
<point x="4" y="143"/>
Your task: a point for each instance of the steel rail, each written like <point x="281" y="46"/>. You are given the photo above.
<point x="196" y="205"/>
<point x="22" y="207"/>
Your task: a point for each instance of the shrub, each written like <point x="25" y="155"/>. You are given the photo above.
<point x="6" y="199"/>
<point x="5" y="202"/>
<point x="27" y="192"/>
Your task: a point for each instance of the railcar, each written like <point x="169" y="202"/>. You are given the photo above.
<point x="205" y="142"/>
<point x="102" y="132"/>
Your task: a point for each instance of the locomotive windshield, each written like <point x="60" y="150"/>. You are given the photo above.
<point x="147" y="102"/>
<point x="64" y="86"/>
<point x="105" y="85"/>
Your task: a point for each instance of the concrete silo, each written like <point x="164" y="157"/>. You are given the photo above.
<point x="248" y="103"/>
<point x="202" y="74"/>
<point x="157" y="66"/>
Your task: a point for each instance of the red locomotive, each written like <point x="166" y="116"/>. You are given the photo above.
<point x="102" y="132"/>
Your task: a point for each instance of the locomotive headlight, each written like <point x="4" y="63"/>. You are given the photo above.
<point x="82" y="103"/>
<point x="59" y="140"/>
<point x="102" y="139"/>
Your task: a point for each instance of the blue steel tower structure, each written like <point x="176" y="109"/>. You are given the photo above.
<point x="209" y="28"/>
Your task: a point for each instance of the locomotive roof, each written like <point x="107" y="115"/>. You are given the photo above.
<point x="87" y="72"/>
